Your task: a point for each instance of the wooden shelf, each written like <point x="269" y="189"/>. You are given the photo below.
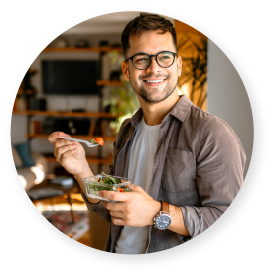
<point x="29" y="113"/>
<point x="73" y="136"/>
<point x="108" y="83"/>
<point x="65" y="114"/>
<point x="89" y="49"/>
<point x="27" y="92"/>
<point x="89" y="159"/>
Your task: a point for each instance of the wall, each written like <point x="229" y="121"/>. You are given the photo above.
<point x="227" y="97"/>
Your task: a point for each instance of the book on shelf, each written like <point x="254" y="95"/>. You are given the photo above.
<point x="36" y="127"/>
<point x="31" y="130"/>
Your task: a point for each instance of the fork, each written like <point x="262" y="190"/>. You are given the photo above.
<point x="89" y="144"/>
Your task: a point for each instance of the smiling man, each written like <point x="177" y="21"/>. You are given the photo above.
<point x="186" y="164"/>
<point x="152" y="81"/>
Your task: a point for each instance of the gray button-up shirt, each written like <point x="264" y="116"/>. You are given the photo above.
<point x="198" y="166"/>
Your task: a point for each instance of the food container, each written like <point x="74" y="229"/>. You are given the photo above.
<point x="93" y="186"/>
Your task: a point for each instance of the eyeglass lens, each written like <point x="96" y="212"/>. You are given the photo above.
<point x="164" y="59"/>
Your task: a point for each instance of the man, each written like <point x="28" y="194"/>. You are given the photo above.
<point x="186" y="165"/>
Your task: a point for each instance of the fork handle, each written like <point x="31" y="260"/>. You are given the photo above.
<point x="75" y="139"/>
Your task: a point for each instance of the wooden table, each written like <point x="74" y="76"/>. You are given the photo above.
<point x="67" y="191"/>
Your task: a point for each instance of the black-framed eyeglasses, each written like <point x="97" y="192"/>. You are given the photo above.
<point x="142" y="61"/>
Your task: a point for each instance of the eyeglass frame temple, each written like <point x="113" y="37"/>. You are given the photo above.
<point x="153" y="55"/>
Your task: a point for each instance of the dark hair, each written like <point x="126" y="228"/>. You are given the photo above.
<point x="147" y="22"/>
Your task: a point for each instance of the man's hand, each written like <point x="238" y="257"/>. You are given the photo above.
<point x="70" y="154"/>
<point x="137" y="208"/>
<point x="134" y="208"/>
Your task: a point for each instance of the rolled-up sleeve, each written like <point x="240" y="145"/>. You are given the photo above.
<point x="220" y="166"/>
<point x="99" y="208"/>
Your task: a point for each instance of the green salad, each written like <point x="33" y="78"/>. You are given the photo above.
<point x="109" y="181"/>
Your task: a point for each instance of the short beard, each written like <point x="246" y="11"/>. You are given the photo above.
<point x="146" y="97"/>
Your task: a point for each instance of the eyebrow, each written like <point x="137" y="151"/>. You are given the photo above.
<point x="151" y="54"/>
<point x="140" y="53"/>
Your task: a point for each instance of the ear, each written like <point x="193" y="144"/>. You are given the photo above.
<point x="179" y="65"/>
<point x="125" y="70"/>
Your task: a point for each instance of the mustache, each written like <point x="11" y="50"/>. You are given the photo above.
<point x="152" y="76"/>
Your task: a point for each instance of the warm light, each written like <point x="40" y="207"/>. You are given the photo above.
<point x="77" y="196"/>
<point x="23" y="181"/>
<point x="39" y="173"/>
<point x="39" y="206"/>
<point x="184" y="89"/>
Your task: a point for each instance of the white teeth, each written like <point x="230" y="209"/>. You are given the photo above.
<point x="154" y="81"/>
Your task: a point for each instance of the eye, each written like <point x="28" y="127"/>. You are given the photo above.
<point x="141" y="60"/>
<point x="165" y="58"/>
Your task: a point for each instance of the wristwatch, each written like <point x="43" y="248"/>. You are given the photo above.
<point x="163" y="219"/>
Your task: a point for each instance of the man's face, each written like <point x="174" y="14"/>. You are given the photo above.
<point x="155" y="83"/>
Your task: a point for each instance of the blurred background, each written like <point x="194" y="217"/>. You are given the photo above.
<point x="76" y="86"/>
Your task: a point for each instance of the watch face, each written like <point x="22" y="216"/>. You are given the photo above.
<point x="163" y="221"/>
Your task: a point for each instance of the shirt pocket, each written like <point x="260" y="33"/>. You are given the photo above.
<point x="179" y="171"/>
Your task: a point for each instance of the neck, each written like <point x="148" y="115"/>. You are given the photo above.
<point x="153" y="114"/>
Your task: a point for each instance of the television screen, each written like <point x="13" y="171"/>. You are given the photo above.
<point x="69" y="77"/>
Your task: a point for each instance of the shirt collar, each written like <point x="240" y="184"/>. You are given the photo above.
<point x="179" y="111"/>
<point x="182" y="107"/>
<point x="137" y="117"/>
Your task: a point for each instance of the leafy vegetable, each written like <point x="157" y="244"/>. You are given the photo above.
<point x="93" y="141"/>
<point x="99" y="188"/>
<point x="114" y="180"/>
<point x="107" y="180"/>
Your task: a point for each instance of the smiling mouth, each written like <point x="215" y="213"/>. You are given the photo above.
<point x="152" y="82"/>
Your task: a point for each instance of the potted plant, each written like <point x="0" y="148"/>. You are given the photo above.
<point x="193" y="51"/>
<point x="121" y="100"/>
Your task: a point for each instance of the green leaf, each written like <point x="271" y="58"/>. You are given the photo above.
<point x="114" y="180"/>
<point x="93" y="141"/>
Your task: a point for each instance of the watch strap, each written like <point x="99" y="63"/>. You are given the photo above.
<point x="165" y="207"/>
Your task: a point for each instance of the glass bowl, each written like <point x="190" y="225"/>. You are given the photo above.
<point x="92" y="186"/>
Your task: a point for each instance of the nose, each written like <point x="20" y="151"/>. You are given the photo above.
<point x="154" y="66"/>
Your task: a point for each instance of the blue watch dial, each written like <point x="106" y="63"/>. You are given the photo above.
<point x="163" y="221"/>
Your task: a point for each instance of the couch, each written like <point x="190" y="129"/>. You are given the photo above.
<point x="30" y="175"/>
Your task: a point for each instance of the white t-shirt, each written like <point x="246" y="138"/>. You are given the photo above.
<point x="133" y="240"/>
